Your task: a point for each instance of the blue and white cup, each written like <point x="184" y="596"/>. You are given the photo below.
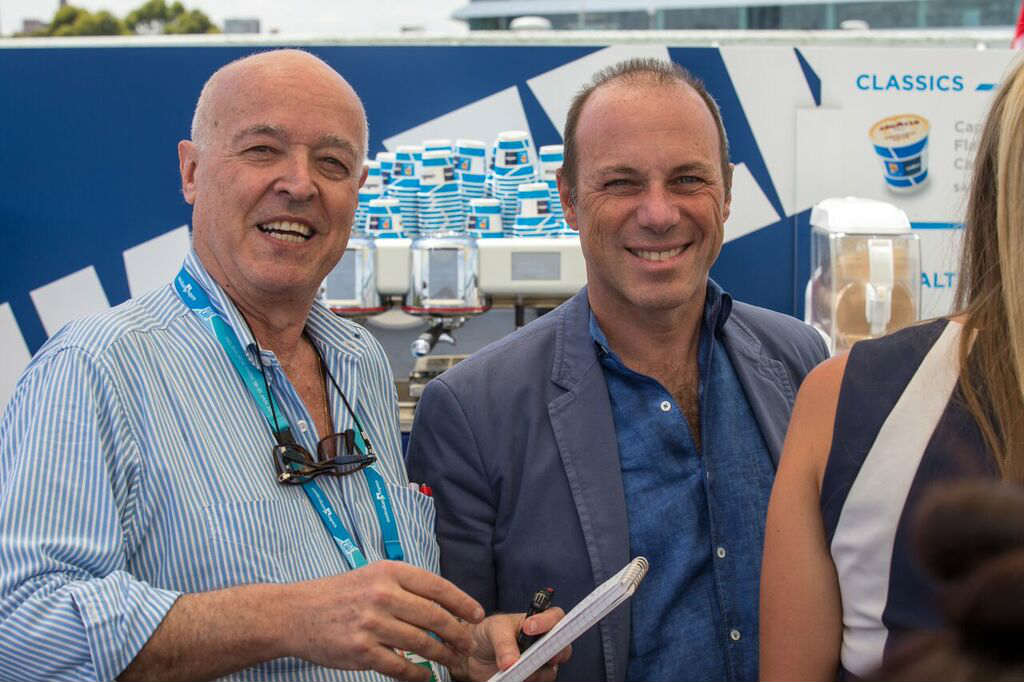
<point x="440" y="144"/>
<point x="471" y="170"/>
<point x="534" y="218"/>
<point x="901" y="144"/>
<point x="374" y="178"/>
<point x="440" y="204"/>
<point x="405" y="185"/>
<point x="513" y="165"/>
<point x="366" y="195"/>
<point x="484" y="218"/>
<point x="384" y="219"/>
<point x="387" y="163"/>
<point x="551" y="158"/>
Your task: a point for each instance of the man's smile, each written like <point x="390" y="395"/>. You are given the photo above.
<point x="286" y="231"/>
<point x="657" y="255"/>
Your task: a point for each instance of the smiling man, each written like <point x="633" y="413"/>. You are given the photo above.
<point x="207" y="480"/>
<point x="644" y="416"/>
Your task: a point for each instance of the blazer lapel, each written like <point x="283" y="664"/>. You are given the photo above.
<point x="581" y="419"/>
<point x="768" y="389"/>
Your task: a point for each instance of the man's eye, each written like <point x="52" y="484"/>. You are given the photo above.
<point x="334" y="164"/>
<point x="259" y="150"/>
<point x="618" y="182"/>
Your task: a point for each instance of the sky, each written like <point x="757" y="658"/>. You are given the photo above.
<point x="309" y="17"/>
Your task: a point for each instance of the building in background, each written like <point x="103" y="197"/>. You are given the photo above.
<point x="242" y="25"/>
<point x="30" y="26"/>
<point x="740" y="14"/>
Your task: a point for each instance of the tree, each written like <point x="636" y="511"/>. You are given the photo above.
<point x="75" y="21"/>
<point x="153" y="16"/>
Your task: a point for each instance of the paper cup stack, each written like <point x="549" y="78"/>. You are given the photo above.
<point x="384" y="219"/>
<point x="484" y="218"/>
<point x="405" y="185"/>
<point x="372" y="189"/>
<point x="387" y="163"/>
<point x="513" y="165"/>
<point x="551" y="158"/>
<point x="471" y="170"/>
<point x="534" y="217"/>
<point x="440" y="206"/>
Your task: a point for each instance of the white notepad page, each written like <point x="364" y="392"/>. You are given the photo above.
<point x="591" y="609"/>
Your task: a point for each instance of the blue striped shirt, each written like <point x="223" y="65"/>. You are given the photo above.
<point x="135" y="466"/>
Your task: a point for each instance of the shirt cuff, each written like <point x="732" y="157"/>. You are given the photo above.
<point x="119" y="614"/>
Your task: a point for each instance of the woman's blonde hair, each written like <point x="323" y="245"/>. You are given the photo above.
<point x="991" y="288"/>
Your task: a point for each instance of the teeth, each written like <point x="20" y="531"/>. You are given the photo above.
<point x="657" y="255"/>
<point x="287" y="231"/>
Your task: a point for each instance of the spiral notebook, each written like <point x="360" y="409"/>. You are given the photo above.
<point x="591" y="609"/>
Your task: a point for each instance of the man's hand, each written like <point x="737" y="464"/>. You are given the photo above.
<point x="357" y="620"/>
<point x="495" y="646"/>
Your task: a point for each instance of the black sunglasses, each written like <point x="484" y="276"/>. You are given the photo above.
<point x="295" y="465"/>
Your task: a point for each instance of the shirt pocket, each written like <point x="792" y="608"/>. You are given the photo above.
<point x="258" y="540"/>
<point x="415" y="514"/>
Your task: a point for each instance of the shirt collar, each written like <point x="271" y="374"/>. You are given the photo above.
<point x="717" y="308"/>
<point x="330" y="332"/>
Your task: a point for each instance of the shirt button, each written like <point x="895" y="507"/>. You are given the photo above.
<point x="721" y="555"/>
<point x="734" y="635"/>
<point x="303" y="426"/>
<point x="665" y="406"/>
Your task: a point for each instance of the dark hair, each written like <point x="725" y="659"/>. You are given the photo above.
<point x="970" y="538"/>
<point x="657" y="71"/>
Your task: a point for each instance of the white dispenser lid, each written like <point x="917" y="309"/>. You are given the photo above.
<point x="859" y="216"/>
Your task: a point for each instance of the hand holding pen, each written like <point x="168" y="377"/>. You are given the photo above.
<point x="540" y="602"/>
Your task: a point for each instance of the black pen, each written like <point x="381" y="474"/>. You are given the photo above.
<point x="540" y="602"/>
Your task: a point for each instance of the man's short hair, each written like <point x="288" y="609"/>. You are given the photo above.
<point x="644" y="70"/>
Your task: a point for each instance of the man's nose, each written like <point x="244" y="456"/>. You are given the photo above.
<point x="296" y="178"/>
<point x="657" y="210"/>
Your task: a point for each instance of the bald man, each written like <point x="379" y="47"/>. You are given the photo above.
<point x="207" y="480"/>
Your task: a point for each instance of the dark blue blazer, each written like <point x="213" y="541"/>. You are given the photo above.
<point x="518" y="444"/>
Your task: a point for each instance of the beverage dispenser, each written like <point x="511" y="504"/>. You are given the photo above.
<point x="865" y="271"/>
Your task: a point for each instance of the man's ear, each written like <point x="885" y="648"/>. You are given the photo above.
<point x="565" y="195"/>
<point x="188" y="160"/>
<point x="727" y="183"/>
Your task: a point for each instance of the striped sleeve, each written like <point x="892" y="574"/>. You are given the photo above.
<point x="69" y="474"/>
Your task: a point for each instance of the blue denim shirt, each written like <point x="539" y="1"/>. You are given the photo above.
<point x="697" y="516"/>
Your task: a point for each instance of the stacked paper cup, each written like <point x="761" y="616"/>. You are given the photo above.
<point x="384" y="219"/>
<point x="372" y="189"/>
<point x="405" y="186"/>
<point x="551" y="158"/>
<point x="471" y="170"/>
<point x="489" y="178"/>
<point x="534" y="218"/>
<point x="513" y="166"/>
<point x="387" y="163"/>
<point x="440" y="206"/>
<point x="484" y="218"/>
<point x="438" y="145"/>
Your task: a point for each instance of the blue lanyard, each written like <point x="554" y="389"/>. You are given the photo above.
<point x="195" y="297"/>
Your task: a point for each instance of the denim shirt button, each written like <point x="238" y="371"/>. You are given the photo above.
<point x="720" y="552"/>
<point x="665" y="406"/>
<point x="734" y="635"/>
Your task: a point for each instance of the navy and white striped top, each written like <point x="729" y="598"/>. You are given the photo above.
<point x="135" y="466"/>
<point x="900" y="426"/>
